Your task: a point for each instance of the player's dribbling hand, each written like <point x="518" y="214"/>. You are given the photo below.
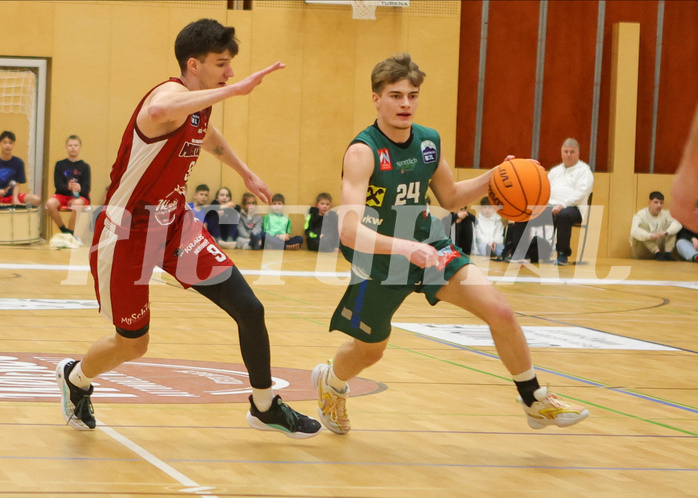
<point x="423" y="255"/>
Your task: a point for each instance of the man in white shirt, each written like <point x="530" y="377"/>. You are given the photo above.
<point x="653" y="231"/>
<point x="570" y="185"/>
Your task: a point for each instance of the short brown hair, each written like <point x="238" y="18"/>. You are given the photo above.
<point x="396" y="68"/>
<point x="246" y="196"/>
<point x="201" y="37"/>
<point x="324" y="196"/>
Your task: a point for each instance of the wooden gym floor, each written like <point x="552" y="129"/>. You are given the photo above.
<point x="436" y="417"/>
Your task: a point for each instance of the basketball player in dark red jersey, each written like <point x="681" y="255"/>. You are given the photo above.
<point x="145" y="224"/>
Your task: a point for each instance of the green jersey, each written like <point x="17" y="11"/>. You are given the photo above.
<point x="396" y="199"/>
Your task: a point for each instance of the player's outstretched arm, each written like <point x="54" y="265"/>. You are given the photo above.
<point x="245" y="86"/>
<point x="169" y="105"/>
<point x="358" y="167"/>
<point x="216" y="144"/>
<point x="684" y="205"/>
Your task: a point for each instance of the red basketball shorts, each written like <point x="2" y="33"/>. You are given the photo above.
<point x="65" y="200"/>
<point x="8" y="199"/>
<point x="122" y="262"/>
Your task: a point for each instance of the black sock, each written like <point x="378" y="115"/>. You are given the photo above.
<point x="526" y="389"/>
<point x="66" y="230"/>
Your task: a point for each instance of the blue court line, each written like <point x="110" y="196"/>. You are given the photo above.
<point x="456" y="465"/>
<point x="567" y="376"/>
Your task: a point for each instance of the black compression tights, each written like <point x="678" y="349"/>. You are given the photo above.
<point x="236" y="298"/>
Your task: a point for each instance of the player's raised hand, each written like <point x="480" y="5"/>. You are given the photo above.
<point x="245" y="86"/>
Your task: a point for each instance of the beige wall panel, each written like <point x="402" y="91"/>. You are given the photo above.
<point x="80" y="83"/>
<point x="27" y="29"/>
<point x="328" y="84"/>
<point x="236" y="111"/>
<point x="622" y="132"/>
<point x="439" y="60"/>
<point x="602" y="189"/>
<point x="647" y="183"/>
<point x="140" y="51"/>
<point x="275" y="119"/>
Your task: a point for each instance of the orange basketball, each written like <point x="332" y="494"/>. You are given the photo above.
<point x="521" y="188"/>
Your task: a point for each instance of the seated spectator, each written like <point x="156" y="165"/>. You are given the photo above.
<point x="250" y="226"/>
<point x="687" y="245"/>
<point x="71" y="177"/>
<point x="322" y="226"/>
<point x="489" y="230"/>
<point x="459" y="228"/>
<point x="198" y="205"/>
<point x="12" y="174"/>
<point x="571" y="183"/>
<point x="653" y="231"/>
<point x="222" y="219"/>
<point x="276" y="227"/>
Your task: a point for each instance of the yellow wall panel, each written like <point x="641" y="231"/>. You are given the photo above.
<point x="275" y="125"/>
<point x="439" y="60"/>
<point x="328" y="84"/>
<point x="27" y="28"/>
<point x="236" y="111"/>
<point x="80" y="84"/>
<point x="646" y="184"/>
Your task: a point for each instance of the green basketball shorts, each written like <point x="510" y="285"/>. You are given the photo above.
<point x="368" y="306"/>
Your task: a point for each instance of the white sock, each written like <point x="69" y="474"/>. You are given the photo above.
<point x="524" y="376"/>
<point x="78" y="378"/>
<point x="262" y="398"/>
<point x="335" y="382"/>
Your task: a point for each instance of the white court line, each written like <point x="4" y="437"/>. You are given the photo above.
<point x="192" y="486"/>
<point x="333" y="274"/>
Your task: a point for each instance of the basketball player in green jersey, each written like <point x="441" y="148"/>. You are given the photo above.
<point x="396" y="247"/>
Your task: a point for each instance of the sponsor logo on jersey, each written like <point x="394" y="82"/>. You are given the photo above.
<point x="195" y="119"/>
<point x="374" y="196"/>
<point x="165" y="211"/>
<point x="428" y="151"/>
<point x="191" y="245"/>
<point x="165" y="208"/>
<point x="372" y="220"/>
<point x="190" y="150"/>
<point x="407" y="164"/>
<point x="386" y="163"/>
